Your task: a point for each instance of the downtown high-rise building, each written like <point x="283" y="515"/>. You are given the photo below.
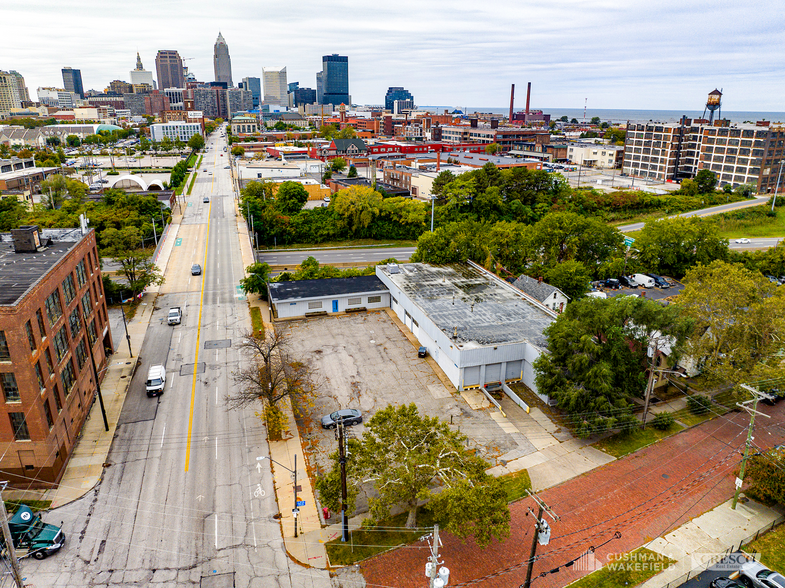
<point x="72" y="81"/>
<point x="332" y="83"/>
<point x="9" y="92"/>
<point x="276" y="88"/>
<point x="21" y="86"/>
<point x="169" y="68"/>
<point x="222" y="63"/>
<point x="254" y="86"/>
<point x="397" y="93"/>
<point x="140" y="77"/>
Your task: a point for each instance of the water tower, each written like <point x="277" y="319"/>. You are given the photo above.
<point x="713" y="103"/>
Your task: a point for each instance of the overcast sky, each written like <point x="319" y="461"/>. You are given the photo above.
<point x="652" y="54"/>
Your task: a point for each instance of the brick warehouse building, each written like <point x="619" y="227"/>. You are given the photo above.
<point x="52" y="317"/>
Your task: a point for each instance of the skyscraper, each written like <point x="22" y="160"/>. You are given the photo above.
<point x="335" y="79"/>
<point x="396" y="93"/>
<point x="222" y="62"/>
<point x="24" y="94"/>
<point x="72" y="80"/>
<point x="254" y="86"/>
<point x="169" y="68"/>
<point x="276" y="89"/>
<point x="140" y="76"/>
<point x="9" y="92"/>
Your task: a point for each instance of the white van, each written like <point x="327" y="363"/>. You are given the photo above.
<point x="644" y="280"/>
<point x="156" y="380"/>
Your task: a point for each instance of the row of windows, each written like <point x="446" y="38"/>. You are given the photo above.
<point x="350" y="302"/>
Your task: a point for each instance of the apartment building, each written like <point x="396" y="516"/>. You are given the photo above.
<point x="507" y="137"/>
<point x="53" y="327"/>
<point x="595" y="155"/>
<point x="737" y="153"/>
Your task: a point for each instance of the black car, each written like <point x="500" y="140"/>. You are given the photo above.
<point x="627" y="282"/>
<point x="422" y="352"/>
<point x="349" y="416"/>
<point x="723" y="582"/>
<point x="659" y="281"/>
<point x="611" y="284"/>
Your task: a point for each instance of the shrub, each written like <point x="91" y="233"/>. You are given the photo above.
<point x="663" y="421"/>
<point x="275" y="420"/>
<point x="699" y="404"/>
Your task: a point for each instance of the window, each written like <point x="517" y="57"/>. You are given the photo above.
<point x="10" y="389"/>
<point x="5" y="354"/>
<point x="354" y="301"/>
<point x="75" y="323"/>
<point x="314" y="305"/>
<point x="87" y="304"/>
<point x="53" y="309"/>
<point x="49" y="363"/>
<point x="58" y="402"/>
<point x="30" y="337"/>
<point x="48" y="412"/>
<point x="374" y="299"/>
<point x="40" y="375"/>
<point x="68" y="377"/>
<point x="81" y="354"/>
<point x="69" y="290"/>
<point x="81" y="275"/>
<point x="41" y="327"/>
<point x="61" y="344"/>
<point x="19" y="426"/>
<point x="91" y="333"/>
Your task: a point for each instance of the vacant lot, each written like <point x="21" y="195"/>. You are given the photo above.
<point x="363" y="361"/>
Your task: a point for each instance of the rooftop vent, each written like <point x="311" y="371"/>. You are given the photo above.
<point x="393" y="268"/>
<point x="27" y="239"/>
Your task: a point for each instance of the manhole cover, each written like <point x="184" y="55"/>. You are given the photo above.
<point x="218" y="344"/>
<point x="187" y="369"/>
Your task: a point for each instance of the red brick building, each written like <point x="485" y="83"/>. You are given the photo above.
<point x="53" y="323"/>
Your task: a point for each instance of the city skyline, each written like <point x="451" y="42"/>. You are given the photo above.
<point x="617" y="56"/>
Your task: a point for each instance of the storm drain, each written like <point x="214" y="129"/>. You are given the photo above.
<point x="218" y="581"/>
<point x="218" y="344"/>
<point x="187" y="369"/>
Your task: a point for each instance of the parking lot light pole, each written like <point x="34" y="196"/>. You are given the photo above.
<point x="295" y="510"/>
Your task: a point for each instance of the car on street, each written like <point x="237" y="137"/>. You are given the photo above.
<point x="742" y="240"/>
<point x="206" y="199"/>
<point x="723" y="582"/>
<point x="348" y="416"/>
<point x="196" y="270"/>
<point x="422" y="352"/>
<point x="204" y="170"/>
<point x="755" y="575"/>
<point x="226" y="167"/>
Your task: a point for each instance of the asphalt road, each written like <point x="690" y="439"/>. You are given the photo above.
<point x="291" y="259"/>
<point x="182" y="499"/>
<point x="703" y="212"/>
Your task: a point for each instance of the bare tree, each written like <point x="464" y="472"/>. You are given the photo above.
<point x="271" y="374"/>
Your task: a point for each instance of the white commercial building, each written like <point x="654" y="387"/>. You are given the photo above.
<point x="175" y="130"/>
<point x="594" y="155"/>
<point x="302" y="298"/>
<point x="476" y="326"/>
<point x="276" y="88"/>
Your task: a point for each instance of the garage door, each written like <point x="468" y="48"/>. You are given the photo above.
<point x="471" y="376"/>
<point x="493" y="372"/>
<point x="513" y="370"/>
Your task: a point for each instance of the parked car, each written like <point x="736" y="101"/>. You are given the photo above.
<point x="643" y="280"/>
<point x="755" y="575"/>
<point x="659" y="281"/>
<point x="493" y="387"/>
<point x="349" y="416"/>
<point x="628" y="282"/>
<point x="723" y="582"/>
<point x="742" y="240"/>
<point x="422" y="352"/>
<point x="326" y="198"/>
<point x="206" y="199"/>
<point x="611" y="284"/>
<point x="596" y="294"/>
<point x="196" y="270"/>
<point x="226" y="167"/>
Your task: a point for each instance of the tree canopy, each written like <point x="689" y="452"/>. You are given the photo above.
<point x="291" y="197"/>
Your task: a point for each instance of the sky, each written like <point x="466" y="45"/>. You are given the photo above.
<point x="630" y="54"/>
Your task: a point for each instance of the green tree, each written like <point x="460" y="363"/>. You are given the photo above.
<point x="444" y="178"/>
<point x="352" y="172"/>
<point x="137" y="265"/>
<point x="574" y="121"/>
<point x="405" y="454"/>
<point x="739" y="322"/>
<point x="564" y="118"/>
<point x="493" y="148"/>
<point x="196" y="142"/>
<point x="53" y="141"/>
<point x="566" y="236"/>
<point x="357" y="206"/>
<point x="706" y="181"/>
<point x="73" y="141"/>
<point x="291" y="197"/>
<point x="453" y="243"/>
<point x="571" y="277"/>
<point x="595" y="120"/>
<point x="255" y="282"/>
<point x="347" y="132"/>
<point x="596" y="352"/>
<point x="766" y="471"/>
<point x="12" y="212"/>
<point x="616" y="136"/>
<point x="238" y="151"/>
<point x="338" y="164"/>
<point x="672" y="246"/>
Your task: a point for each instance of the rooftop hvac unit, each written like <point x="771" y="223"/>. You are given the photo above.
<point x="393" y="268"/>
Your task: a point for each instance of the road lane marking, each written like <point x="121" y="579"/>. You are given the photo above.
<point x="216" y="395"/>
<point x="216" y="530"/>
<point x="196" y="354"/>
<point x="162" y="436"/>
<point x="216" y="446"/>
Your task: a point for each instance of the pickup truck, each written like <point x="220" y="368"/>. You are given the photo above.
<point x="175" y="316"/>
<point x="32" y="536"/>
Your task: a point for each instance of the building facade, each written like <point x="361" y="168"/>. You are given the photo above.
<point x="595" y="155"/>
<point x="72" y="80"/>
<point x="169" y="69"/>
<point x="24" y="94"/>
<point x="276" y="87"/>
<point x="53" y="327"/>
<point x="238" y="100"/>
<point x="303" y="96"/>
<point x="254" y="86"/>
<point x="121" y="87"/>
<point x="175" y="130"/>
<point x="396" y="93"/>
<point x="155" y="103"/>
<point x="9" y="92"/>
<point x="245" y="125"/>
<point x="176" y="98"/>
<point x="140" y="77"/>
<point x="57" y="97"/>
<point x="334" y="80"/>
<point x="222" y="63"/>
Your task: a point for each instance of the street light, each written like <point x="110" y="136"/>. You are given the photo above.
<point x="295" y="510"/>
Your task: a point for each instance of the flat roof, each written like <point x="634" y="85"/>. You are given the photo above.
<point x="300" y="289"/>
<point x="20" y="271"/>
<point x="485" y="310"/>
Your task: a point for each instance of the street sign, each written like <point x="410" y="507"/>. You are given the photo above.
<point x="295" y="510"/>
<point x="301" y="503"/>
<point x="628" y="241"/>
<point x="178" y="241"/>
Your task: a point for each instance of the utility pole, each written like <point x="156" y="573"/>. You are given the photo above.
<point x="295" y="510"/>
<point x="542" y="534"/>
<point x="433" y="199"/>
<point x="95" y="372"/>
<point x="155" y="235"/>
<point x="342" y="453"/>
<point x="9" y="542"/>
<point x="753" y="411"/>
<point x="125" y="324"/>
<point x="432" y="570"/>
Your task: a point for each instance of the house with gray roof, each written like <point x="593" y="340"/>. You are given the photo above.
<point x="542" y="292"/>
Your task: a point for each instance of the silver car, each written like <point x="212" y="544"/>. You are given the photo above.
<point x="755" y="575"/>
<point x="349" y="416"/>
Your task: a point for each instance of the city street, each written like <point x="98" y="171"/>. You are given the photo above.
<point x="358" y="256"/>
<point x="183" y="498"/>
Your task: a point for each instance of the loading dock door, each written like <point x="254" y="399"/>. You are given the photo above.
<point x="513" y="370"/>
<point x="471" y="376"/>
<point x="493" y="372"/>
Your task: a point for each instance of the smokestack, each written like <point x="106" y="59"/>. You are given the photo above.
<point x="528" y="97"/>
<point x="512" y="100"/>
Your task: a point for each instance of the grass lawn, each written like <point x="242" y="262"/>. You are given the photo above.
<point x="516" y="484"/>
<point x="35" y="505"/>
<point x="751" y="222"/>
<point x="771" y="546"/>
<point x="689" y="420"/>
<point x="365" y="543"/>
<point x="257" y="324"/>
<point x="351" y="243"/>
<point x="621" y="444"/>
<point x="626" y="570"/>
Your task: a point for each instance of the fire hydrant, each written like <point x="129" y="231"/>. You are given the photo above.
<point x="326" y="512"/>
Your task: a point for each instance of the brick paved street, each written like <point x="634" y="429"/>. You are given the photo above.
<point x="643" y="496"/>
